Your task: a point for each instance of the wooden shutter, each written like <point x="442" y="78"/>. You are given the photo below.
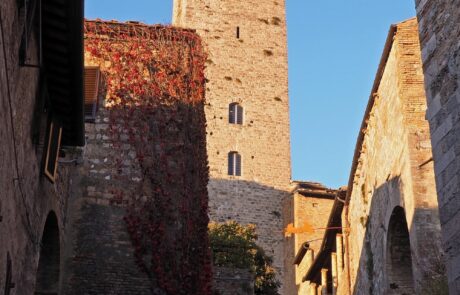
<point x="231" y="162"/>
<point x="239" y="114"/>
<point x="53" y="144"/>
<point x="232" y="113"/>
<point x="237" y="164"/>
<point x="91" y="92"/>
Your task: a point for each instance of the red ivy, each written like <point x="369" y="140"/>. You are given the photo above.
<point x="155" y="86"/>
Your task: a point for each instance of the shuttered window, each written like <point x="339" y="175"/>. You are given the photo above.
<point x="235" y="113"/>
<point x="234" y="164"/>
<point x="92" y="75"/>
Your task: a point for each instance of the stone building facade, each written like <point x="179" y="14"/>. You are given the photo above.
<point x="391" y="230"/>
<point x="37" y="90"/>
<point x="310" y="204"/>
<point x="439" y="34"/>
<point x="247" y="67"/>
<point x="390" y="238"/>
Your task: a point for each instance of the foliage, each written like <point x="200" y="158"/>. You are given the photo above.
<point x="234" y="245"/>
<point x="154" y="91"/>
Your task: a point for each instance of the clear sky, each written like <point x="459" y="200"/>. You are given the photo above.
<point x="334" y="50"/>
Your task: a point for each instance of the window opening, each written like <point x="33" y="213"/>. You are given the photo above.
<point x="28" y="10"/>
<point x="92" y="77"/>
<point x="234" y="164"/>
<point x="237" y="32"/>
<point x="235" y="114"/>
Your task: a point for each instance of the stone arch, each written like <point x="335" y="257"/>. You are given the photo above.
<point x="399" y="258"/>
<point x="47" y="279"/>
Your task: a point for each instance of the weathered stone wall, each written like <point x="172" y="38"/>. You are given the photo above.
<point x="393" y="170"/>
<point x="26" y="196"/>
<point x="311" y="210"/>
<point x="144" y="173"/>
<point x="233" y="281"/>
<point x="250" y="69"/>
<point x="100" y="259"/>
<point x="439" y="34"/>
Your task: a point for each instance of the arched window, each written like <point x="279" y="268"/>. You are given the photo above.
<point x="234" y="164"/>
<point x="399" y="259"/>
<point x="235" y="113"/>
<point x="49" y="262"/>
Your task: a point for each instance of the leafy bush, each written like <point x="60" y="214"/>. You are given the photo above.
<point x="234" y="245"/>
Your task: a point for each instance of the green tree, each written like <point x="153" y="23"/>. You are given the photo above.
<point x="234" y="245"/>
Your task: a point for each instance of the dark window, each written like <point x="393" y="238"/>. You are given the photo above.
<point x="91" y="93"/>
<point x="238" y="32"/>
<point x="235" y="113"/>
<point x="234" y="164"/>
<point x="27" y="11"/>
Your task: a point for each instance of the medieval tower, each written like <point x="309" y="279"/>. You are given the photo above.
<point x="247" y="111"/>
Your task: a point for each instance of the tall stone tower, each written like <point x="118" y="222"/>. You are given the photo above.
<point x="247" y="111"/>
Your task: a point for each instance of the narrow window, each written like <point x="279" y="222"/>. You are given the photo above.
<point x="234" y="164"/>
<point x="235" y="113"/>
<point x="237" y="32"/>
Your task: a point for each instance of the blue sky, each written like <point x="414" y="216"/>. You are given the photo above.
<point x="334" y="50"/>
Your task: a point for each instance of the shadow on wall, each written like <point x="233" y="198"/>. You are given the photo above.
<point x="248" y="202"/>
<point x="245" y="200"/>
<point x="394" y="258"/>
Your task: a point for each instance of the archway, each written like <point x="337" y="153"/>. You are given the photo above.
<point x="47" y="280"/>
<point x="399" y="260"/>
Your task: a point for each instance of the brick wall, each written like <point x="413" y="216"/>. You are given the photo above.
<point x="252" y="71"/>
<point x="393" y="170"/>
<point x="439" y="34"/>
<point x="26" y="196"/>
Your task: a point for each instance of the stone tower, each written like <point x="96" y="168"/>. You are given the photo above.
<point x="247" y="111"/>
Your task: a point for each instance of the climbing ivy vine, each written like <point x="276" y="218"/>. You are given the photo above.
<point x="154" y="86"/>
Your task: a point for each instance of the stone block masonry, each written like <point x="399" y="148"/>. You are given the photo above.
<point x="247" y="65"/>
<point x="139" y="219"/>
<point x="439" y="31"/>
<point x="393" y="242"/>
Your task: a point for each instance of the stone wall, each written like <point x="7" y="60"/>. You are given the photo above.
<point x="27" y="197"/>
<point x="247" y="64"/>
<point x="439" y="34"/>
<point x="393" y="173"/>
<point x="232" y="281"/>
<point x="139" y="219"/>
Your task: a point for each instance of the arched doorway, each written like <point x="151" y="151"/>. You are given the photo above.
<point x="47" y="280"/>
<point x="399" y="260"/>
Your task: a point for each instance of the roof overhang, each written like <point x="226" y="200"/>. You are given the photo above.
<point x="62" y="49"/>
